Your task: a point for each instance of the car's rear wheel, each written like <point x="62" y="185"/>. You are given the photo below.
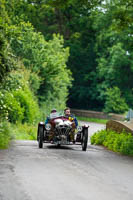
<point x="85" y="139"/>
<point x="40" y="141"/>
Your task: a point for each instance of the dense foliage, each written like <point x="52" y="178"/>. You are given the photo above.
<point x="99" y="34"/>
<point x="33" y="74"/>
<point x="53" y="52"/>
<point x="122" y="142"/>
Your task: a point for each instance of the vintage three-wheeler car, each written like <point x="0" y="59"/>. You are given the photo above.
<point x="62" y="130"/>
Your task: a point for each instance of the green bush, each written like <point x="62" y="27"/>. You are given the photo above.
<point x="114" y="101"/>
<point x="28" y="104"/>
<point x="19" y="106"/>
<point x="127" y="145"/>
<point x="99" y="137"/>
<point x="10" y="107"/>
<point x="109" y="140"/>
<point x="122" y="143"/>
<point x="5" y="135"/>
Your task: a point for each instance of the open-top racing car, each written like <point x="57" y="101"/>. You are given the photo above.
<point x="62" y="130"/>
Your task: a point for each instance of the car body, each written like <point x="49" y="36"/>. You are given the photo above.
<point x="62" y="130"/>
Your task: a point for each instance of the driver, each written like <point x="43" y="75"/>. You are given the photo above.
<point x="67" y="113"/>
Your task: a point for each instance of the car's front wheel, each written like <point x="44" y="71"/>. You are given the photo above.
<point x="85" y="139"/>
<point x="40" y="139"/>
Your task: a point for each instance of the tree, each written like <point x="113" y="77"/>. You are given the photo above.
<point x="114" y="51"/>
<point x="114" y="101"/>
<point x="7" y="60"/>
<point x="99" y="37"/>
<point x="46" y="61"/>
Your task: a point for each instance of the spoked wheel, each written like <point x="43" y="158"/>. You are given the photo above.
<point x="85" y="139"/>
<point x="40" y="141"/>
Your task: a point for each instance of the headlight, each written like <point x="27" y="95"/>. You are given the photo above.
<point x="79" y="128"/>
<point x="48" y="127"/>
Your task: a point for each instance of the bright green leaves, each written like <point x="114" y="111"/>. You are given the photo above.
<point x="5" y="135"/>
<point x="99" y="35"/>
<point x="28" y="105"/>
<point x="50" y="77"/>
<point x="12" y="108"/>
<point x="40" y="66"/>
<point x="114" y="101"/>
<point x="117" y="142"/>
<point x="19" y="106"/>
<point x="17" y="103"/>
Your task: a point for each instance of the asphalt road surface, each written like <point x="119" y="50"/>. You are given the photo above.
<point x="65" y="173"/>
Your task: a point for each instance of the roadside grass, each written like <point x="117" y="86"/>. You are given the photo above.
<point x="19" y="131"/>
<point x="5" y="134"/>
<point x="96" y="120"/>
<point x="117" y="142"/>
<point x="24" y="131"/>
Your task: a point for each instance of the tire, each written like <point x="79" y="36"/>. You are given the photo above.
<point x="40" y="141"/>
<point x="85" y="139"/>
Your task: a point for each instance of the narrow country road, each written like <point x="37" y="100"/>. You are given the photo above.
<point x="65" y="173"/>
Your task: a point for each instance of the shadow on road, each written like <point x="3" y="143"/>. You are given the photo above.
<point x="59" y="147"/>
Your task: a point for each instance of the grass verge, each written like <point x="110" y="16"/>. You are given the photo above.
<point x="122" y="143"/>
<point x="96" y="120"/>
<point x="10" y="131"/>
<point x="24" y="131"/>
